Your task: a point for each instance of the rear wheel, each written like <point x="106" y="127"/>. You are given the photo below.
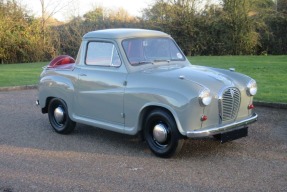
<point x="59" y="117"/>
<point x="161" y="134"/>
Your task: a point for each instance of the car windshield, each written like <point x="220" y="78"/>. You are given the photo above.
<point x="141" y="51"/>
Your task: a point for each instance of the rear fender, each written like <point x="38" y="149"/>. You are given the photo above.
<point x="56" y="87"/>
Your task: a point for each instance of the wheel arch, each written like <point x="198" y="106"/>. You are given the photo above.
<point x="47" y="102"/>
<point x="148" y="108"/>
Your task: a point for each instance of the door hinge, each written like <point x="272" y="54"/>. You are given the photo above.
<point x="125" y="83"/>
<point x="123" y="115"/>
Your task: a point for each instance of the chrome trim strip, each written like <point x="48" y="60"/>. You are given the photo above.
<point x="220" y="110"/>
<point x="222" y="129"/>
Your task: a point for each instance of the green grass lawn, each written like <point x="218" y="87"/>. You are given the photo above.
<point x="20" y="74"/>
<point x="270" y="72"/>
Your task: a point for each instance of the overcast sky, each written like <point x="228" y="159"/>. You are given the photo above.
<point x="79" y="7"/>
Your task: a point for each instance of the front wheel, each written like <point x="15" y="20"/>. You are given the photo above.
<point x="161" y="134"/>
<point x="59" y="117"/>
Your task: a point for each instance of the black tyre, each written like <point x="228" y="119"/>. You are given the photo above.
<point x="161" y="134"/>
<point x="59" y="117"/>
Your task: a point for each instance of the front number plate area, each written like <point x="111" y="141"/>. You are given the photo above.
<point x="233" y="135"/>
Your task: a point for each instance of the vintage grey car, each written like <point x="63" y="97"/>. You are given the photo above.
<point x="136" y="81"/>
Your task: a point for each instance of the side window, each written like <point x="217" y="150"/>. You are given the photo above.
<point x="102" y="54"/>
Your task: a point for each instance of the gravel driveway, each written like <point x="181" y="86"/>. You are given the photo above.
<point x="35" y="158"/>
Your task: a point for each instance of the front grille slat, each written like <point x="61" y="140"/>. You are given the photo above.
<point x="230" y="104"/>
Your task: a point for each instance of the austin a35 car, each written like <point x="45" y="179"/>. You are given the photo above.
<point x="136" y="81"/>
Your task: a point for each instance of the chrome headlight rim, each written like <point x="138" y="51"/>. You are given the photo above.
<point x="205" y="97"/>
<point x="252" y="87"/>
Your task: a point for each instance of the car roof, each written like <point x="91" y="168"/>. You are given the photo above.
<point x="124" y="33"/>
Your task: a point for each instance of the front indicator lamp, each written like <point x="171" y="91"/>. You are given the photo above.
<point x="251" y="106"/>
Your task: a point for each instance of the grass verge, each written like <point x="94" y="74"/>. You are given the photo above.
<point x="20" y="74"/>
<point x="270" y="72"/>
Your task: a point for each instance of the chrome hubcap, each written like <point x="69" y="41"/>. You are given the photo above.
<point x="59" y="115"/>
<point x="160" y="133"/>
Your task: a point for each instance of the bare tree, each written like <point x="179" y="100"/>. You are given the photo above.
<point x="49" y="8"/>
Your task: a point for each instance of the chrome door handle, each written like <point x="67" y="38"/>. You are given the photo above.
<point x="82" y="74"/>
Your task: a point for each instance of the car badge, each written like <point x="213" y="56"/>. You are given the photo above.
<point x="232" y="92"/>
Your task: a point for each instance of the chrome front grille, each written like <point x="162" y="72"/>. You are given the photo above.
<point x="229" y="104"/>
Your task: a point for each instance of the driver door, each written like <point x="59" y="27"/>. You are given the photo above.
<point x="101" y="81"/>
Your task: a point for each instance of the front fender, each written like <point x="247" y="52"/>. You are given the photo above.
<point x="138" y="103"/>
<point x="146" y="108"/>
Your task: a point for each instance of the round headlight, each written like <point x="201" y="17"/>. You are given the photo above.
<point x="252" y="87"/>
<point x="205" y="97"/>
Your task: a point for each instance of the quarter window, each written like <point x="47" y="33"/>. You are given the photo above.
<point x="102" y="54"/>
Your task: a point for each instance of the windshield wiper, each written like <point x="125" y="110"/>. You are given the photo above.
<point x="142" y="62"/>
<point x="177" y="59"/>
<point x="161" y="60"/>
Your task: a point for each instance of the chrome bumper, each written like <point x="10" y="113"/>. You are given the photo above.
<point x="222" y="129"/>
